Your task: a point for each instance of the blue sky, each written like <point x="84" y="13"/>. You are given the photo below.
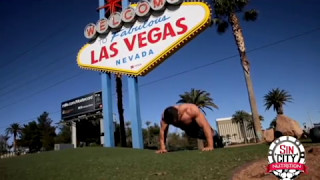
<point x="40" y="40"/>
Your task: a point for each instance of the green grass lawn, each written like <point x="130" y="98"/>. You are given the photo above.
<point x="125" y="163"/>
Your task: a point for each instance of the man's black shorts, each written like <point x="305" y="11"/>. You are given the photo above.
<point x="199" y="134"/>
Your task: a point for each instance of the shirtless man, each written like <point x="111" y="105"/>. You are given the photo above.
<point x="189" y="118"/>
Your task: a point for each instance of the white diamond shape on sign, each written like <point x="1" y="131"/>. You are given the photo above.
<point x="136" y="50"/>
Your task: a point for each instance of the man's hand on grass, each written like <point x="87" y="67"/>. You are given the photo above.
<point x="207" y="149"/>
<point x="161" y="151"/>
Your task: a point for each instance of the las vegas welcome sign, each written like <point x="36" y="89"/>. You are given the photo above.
<point x="139" y="38"/>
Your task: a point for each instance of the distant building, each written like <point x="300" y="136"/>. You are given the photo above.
<point x="231" y="132"/>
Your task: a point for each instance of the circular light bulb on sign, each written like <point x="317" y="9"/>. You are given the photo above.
<point x="128" y="15"/>
<point x="115" y="20"/>
<point x="102" y="26"/>
<point x="90" y="31"/>
<point x="143" y="8"/>
<point x="157" y="5"/>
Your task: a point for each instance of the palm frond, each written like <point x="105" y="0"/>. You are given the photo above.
<point x="276" y="98"/>
<point x="13" y="128"/>
<point x="251" y="15"/>
<point x="222" y="27"/>
<point x="198" y="97"/>
<point x="240" y="117"/>
<point x="273" y="123"/>
<point x="224" y="7"/>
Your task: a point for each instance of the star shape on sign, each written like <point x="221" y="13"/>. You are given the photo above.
<point x="111" y="6"/>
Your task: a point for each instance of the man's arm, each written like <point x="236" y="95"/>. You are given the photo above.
<point x="163" y="136"/>
<point x="204" y="124"/>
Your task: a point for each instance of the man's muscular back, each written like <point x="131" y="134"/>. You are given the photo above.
<point x="187" y="114"/>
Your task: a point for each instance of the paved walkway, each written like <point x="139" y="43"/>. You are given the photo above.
<point x="240" y="145"/>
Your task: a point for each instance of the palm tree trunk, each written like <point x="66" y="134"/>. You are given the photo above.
<point x="14" y="142"/>
<point x="237" y="32"/>
<point x="200" y="144"/>
<point x="280" y="110"/>
<point x="244" y="133"/>
<point x="120" y="111"/>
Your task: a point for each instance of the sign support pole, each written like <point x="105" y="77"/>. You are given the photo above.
<point x="106" y="99"/>
<point x="134" y="108"/>
<point x="107" y="110"/>
<point x="74" y="133"/>
<point x="134" y="105"/>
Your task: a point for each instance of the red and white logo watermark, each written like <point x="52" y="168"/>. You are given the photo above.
<point x="286" y="158"/>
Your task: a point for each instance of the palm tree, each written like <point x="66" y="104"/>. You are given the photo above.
<point x="250" y="124"/>
<point x="14" y="129"/>
<point x="234" y="136"/>
<point x="127" y="124"/>
<point x="277" y="98"/>
<point x="240" y="117"/>
<point x="225" y="14"/>
<point x="123" y="140"/>
<point x="201" y="99"/>
<point x="198" y="97"/>
<point x="3" y="143"/>
<point x="148" y="123"/>
<point x="128" y="132"/>
<point x="228" y="136"/>
<point x="273" y="123"/>
<point x="148" y="132"/>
